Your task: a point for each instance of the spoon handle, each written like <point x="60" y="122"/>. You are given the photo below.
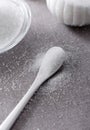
<point x="9" y="121"/>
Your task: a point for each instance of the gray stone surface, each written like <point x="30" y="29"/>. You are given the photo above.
<point x="63" y="102"/>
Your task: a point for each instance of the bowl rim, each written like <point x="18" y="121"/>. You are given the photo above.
<point x="24" y="29"/>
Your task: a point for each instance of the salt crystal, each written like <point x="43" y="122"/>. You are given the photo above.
<point x="0" y="89"/>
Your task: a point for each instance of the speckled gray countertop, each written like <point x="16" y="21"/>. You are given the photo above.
<point x="63" y="102"/>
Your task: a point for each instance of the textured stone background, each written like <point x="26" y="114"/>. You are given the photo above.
<point x="63" y="102"/>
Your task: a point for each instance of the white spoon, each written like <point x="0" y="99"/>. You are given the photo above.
<point x="52" y="61"/>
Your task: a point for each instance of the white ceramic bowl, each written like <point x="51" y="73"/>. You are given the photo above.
<point x="23" y="6"/>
